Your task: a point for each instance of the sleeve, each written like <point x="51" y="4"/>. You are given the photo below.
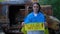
<point x="27" y="19"/>
<point x="43" y="18"/>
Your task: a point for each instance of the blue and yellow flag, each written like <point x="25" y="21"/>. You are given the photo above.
<point x="34" y="26"/>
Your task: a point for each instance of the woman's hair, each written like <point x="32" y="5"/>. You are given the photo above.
<point x="37" y="4"/>
<point x="53" y="19"/>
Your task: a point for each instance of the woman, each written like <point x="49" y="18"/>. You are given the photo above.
<point x="35" y="16"/>
<point x="53" y="25"/>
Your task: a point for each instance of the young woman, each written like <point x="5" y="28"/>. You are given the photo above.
<point x="36" y="16"/>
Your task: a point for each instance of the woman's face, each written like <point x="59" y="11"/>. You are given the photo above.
<point x="35" y="8"/>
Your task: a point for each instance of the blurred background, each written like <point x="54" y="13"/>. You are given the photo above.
<point x="12" y="12"/>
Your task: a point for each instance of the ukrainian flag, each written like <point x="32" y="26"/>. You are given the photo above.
<point x="33" y="26"/>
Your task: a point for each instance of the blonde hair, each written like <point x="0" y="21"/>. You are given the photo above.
<point x="54" y="19"/>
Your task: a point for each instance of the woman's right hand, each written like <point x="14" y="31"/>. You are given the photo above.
<point x="22" y="24"/>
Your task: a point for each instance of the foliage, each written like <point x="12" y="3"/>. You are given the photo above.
<point x="55" y="6"/>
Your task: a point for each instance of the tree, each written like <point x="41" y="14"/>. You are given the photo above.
<point x="55" y="6"/>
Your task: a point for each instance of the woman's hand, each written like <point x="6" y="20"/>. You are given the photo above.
<point x="46" y="24"/>
<point x="20" y="26"/>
